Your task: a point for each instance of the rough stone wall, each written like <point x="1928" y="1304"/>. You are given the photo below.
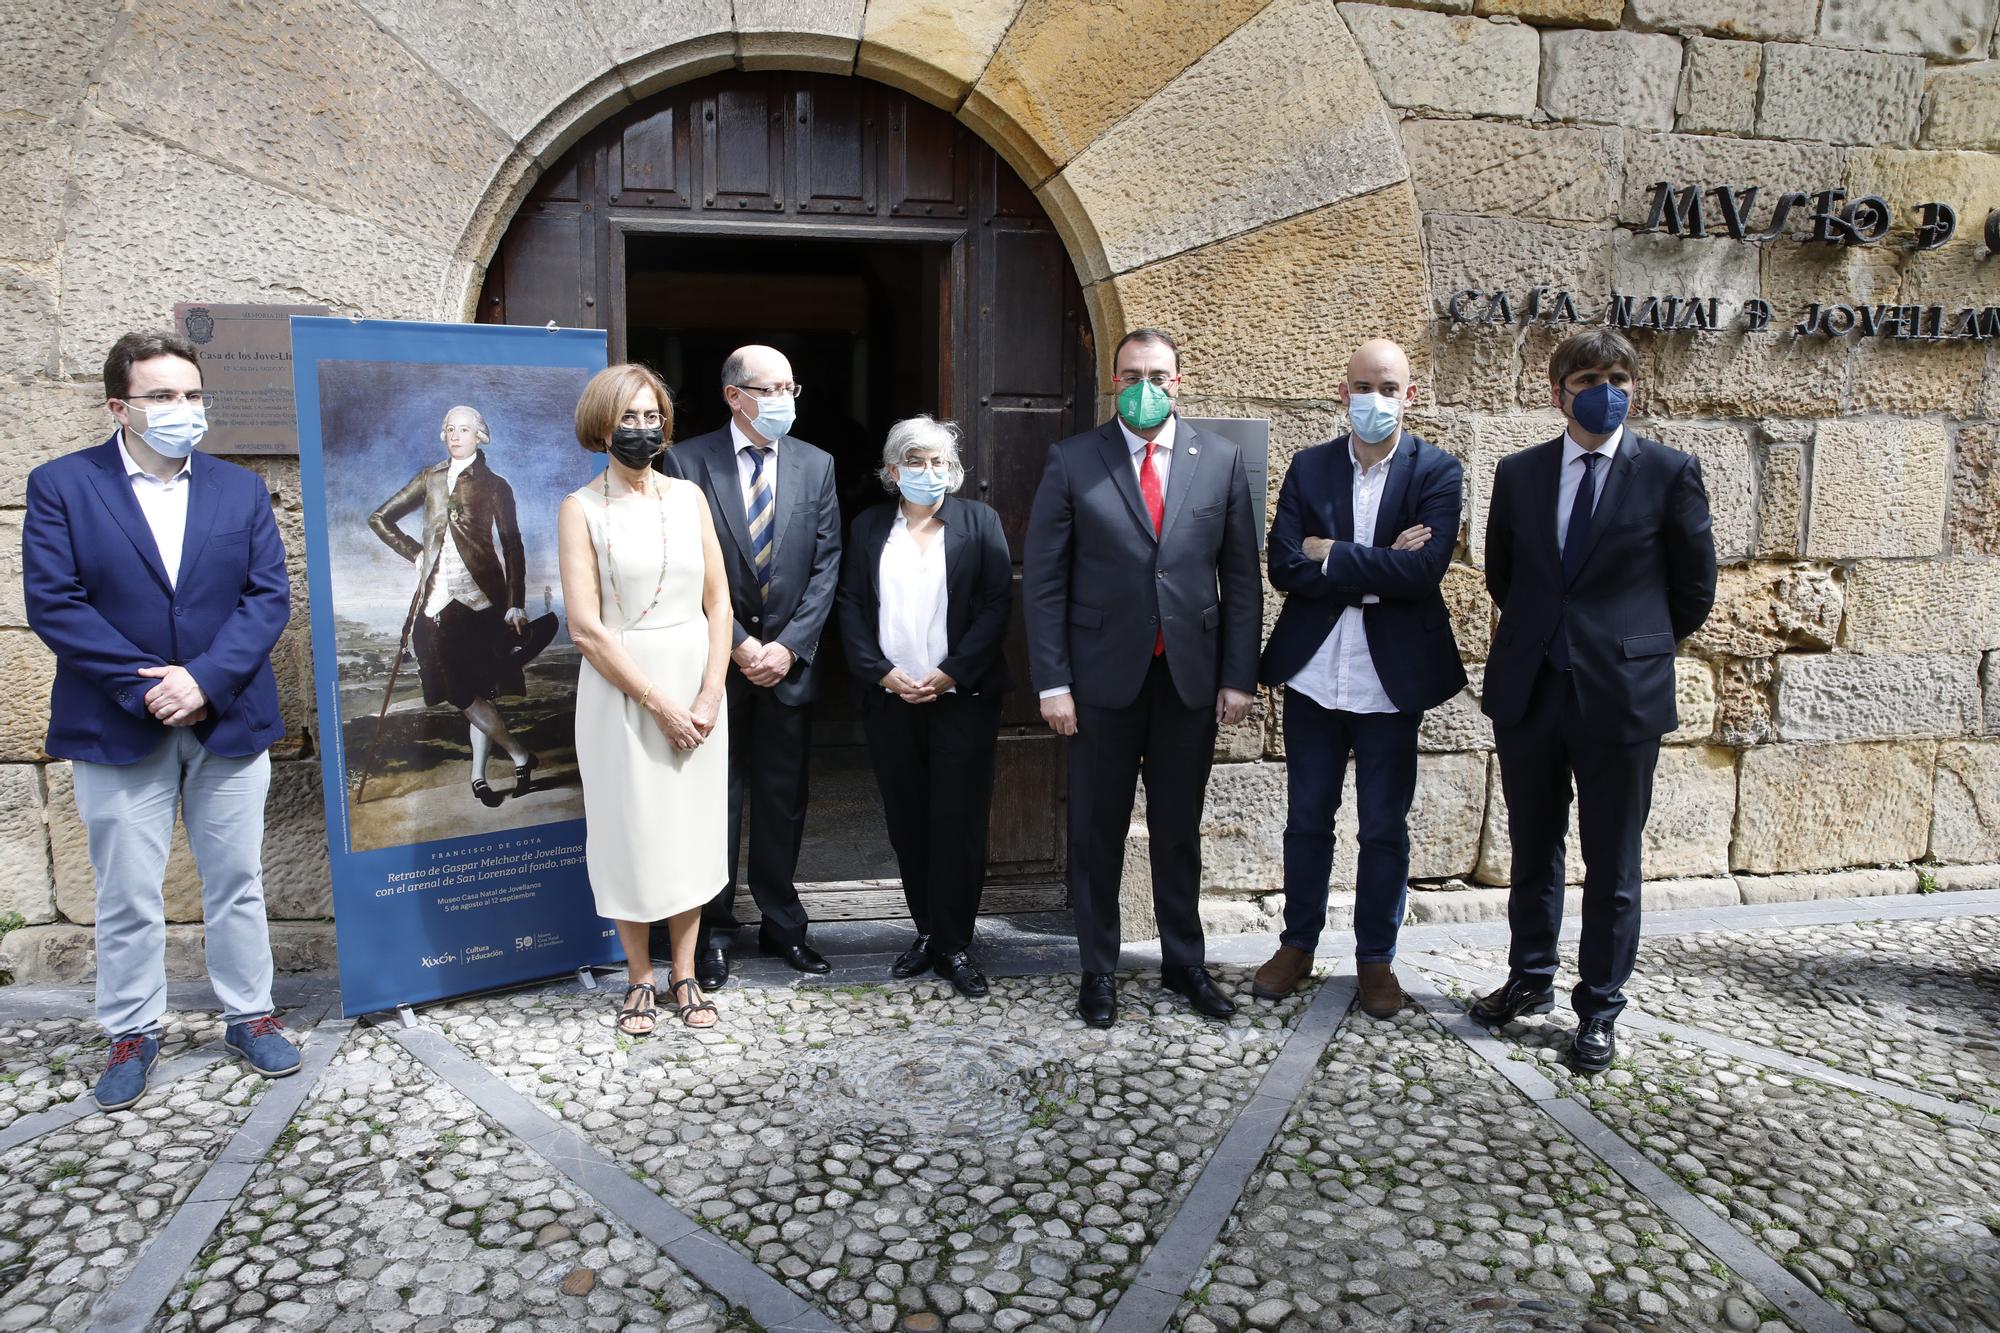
<point x="1274" y="179"/>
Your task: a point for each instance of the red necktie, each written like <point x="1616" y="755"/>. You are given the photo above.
<point x="1156" y="505"/>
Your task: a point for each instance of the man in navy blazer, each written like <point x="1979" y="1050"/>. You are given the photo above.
<point x="156" y="576"/>
<point x="1364" y="531"/>
<point x="1142" y="607"/>
<point x="1600" y="556"/>
<point x="777" y="516"/>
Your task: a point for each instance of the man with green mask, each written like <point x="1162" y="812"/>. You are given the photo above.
<point x="1143" y="605"/>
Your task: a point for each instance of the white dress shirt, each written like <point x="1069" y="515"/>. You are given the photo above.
<point x="1571" y="477"/>
<point x="1342" y="675"/>
<point x="451" y="581"/>
<point x="911" y="623"/>
<point x="164" y="505"/>
<point x="1163" y="464"/>
<point x="744" y="467"/>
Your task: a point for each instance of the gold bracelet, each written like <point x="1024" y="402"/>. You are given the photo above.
<point x="643" y="693"/>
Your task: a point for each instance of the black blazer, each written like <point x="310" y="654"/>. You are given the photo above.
<point x="1647" y="581"/>
<point x="1409" y="630"/>
<point x="979" y="593"/>
<point x="805" y="552"/>
<point x="1098" y="586"/>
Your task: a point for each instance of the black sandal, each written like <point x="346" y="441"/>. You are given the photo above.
<point x="632" y="1011"/>
<point x="521" y="774"/>
<point x="693" y="1006"/>
<point x="487" y="796"/>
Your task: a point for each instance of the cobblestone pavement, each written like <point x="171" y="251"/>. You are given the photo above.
<point x="895" y="1150"/>
<point x="1796" y="1135"/>
<point x="1915" y="1003"/>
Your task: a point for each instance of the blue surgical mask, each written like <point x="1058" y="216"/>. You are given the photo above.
<point x="1373" y="417"/>
<point x="1601" y="408"/>
<point x="920" y="486"/>
<point x="172" y="431"/>
<point x="775" y="414"/>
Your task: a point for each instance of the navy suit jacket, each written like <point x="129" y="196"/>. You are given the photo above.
<point x="1409" y="631"/>
<point x="805" y="547"/>
<point x="979" y="595"/>
<point x="99" y="597"/>
<point x="1647" y="581"/>
<point x="1098" y="586"/>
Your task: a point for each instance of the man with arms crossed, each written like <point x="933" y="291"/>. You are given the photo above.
<point x="1600" y="557"/>
<point x="1143" y="609"/>
<point x="1364" y="531"/>
<point x="156" y="576"/>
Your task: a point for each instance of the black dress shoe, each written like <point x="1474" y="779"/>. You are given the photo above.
<point x="711" y="969"/>
<point x="1200" y="988"/>
<point x="959" y="971"/>
<point x="1594" y="1046"/>
<point x="1521" y="995"/>
<point x="913" y="961"/>
<point x="1097" y="1000"/>
<point x="800" y="957"/>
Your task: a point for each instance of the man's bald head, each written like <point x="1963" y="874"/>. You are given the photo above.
<point x="1379" y="366"/>
<point x="756" y="364"/>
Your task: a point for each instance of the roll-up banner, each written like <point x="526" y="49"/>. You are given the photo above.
<point x="432" y="460"/>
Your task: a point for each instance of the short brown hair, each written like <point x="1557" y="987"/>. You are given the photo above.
<point x="604" y="400"/>
<point x="133" y="348"/>
<point x="1160" y="336"/>
<point x="1593" y="349"/>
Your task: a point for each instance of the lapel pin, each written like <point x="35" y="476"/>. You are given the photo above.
<point x="1192" y="451"/>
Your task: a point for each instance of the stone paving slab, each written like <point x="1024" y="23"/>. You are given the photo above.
<point x="895" y="1150"/>
<point x="1910" y="1002"/>
<point x="1890" y="1215"/>
<point x="391" y="1203"/>
<point x="79" y="1204"/>
<point x="1413" y="1188"/>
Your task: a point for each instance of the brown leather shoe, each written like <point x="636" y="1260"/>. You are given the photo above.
<point x="1381" y="997"/>
<point x="1283" y="975"/>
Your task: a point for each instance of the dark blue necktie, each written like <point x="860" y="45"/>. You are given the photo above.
<point x="1576" y="540"/>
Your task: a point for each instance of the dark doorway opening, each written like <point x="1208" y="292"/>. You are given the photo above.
<point x="859" y="321"/>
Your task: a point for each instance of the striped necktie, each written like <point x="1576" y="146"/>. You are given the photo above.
<point x="760" y="515"/>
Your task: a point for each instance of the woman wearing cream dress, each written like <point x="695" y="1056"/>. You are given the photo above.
<point x="648" y="605"/>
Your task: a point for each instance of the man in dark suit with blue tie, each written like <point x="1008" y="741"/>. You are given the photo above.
<point x="1363" y="534"/>
<point x="1143" y="607"/>
<point x="156" y="576"/>
<point x="778" y="518"/>
<point x="1600" y="556"/>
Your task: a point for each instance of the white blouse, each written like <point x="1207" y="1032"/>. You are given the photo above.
<point x="911" y="623"/>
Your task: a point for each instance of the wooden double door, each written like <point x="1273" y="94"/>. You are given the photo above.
<point x="899" y="264"/>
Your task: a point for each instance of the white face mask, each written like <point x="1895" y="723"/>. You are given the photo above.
<point x="774" y="416"/>
<point x="172" y="431"/>
<point x="1373" y="416"/>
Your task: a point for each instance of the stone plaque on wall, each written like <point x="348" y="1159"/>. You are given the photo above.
<point x="246" y="362"/>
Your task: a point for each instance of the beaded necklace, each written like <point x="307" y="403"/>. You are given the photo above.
<point x="611" y="565"/>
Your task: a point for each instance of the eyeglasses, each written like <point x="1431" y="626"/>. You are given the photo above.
<point x="169" y="397"/>
<point x="938" y="465"/>
<point x="647" y="420"/>
<point x="765" y="390"/>
<point x="1159" y="379"/>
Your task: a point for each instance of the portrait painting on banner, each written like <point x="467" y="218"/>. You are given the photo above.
<point x="456" y="676"/>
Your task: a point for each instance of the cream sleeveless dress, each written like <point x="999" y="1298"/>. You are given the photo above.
<point x="654" y="816"/>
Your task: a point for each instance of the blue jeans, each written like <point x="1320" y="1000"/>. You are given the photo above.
<point x="128" y="812"/>
<point x="1317" y="744"/>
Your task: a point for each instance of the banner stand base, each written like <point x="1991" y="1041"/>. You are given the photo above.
<point x="406" y="1016"/>
<point x="586" y="978"/>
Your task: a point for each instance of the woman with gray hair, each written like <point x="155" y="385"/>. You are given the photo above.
<point x="924" y="599"/>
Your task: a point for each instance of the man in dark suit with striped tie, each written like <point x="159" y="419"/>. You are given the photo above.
<point x="776" y="513"/>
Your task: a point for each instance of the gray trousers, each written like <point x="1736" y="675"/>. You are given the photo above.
<point x="128" y="811"/>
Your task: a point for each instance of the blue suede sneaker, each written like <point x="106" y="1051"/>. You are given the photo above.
<point x="124" y="1079"/>
<point x="263" y="1045"/>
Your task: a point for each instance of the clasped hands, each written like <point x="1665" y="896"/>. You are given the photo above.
<point x="1409" y="539"/>
<point x="763" y="664"/>
<point x="924" y="691"/>
<point x="177" y="701"/>
<point x="686" y="728"/>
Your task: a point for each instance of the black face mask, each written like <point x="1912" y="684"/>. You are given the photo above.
<point x="637" y="446"/>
